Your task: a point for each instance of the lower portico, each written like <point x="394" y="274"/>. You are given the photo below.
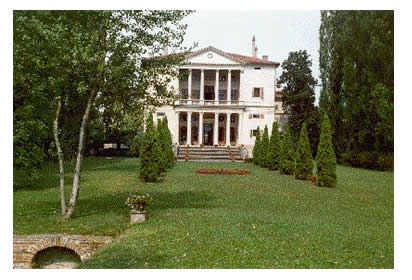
<point x="209" y="128"/>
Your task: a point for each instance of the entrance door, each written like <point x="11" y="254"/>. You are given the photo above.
<point x="208" y="134"/>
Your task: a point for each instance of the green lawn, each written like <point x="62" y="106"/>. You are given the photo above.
<point x="262" y="220"/>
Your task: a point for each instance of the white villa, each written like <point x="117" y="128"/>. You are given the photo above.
<point x="224" y="98"/>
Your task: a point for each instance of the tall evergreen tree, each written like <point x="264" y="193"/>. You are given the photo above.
<point x="164" y="163"/>
<point x="287" y="153"/>
<point x="169" y="143"/>
<point x="298" y="90"/>
<point x="325" y="159"/>
<point x="264" y="150"/>
<point x="304" y="164"/>
<point x="256" y="148"/>
<point x="274" y="148"/>
<point x="149" y="153"/>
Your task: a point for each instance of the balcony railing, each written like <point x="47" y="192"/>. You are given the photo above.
<point x="209" y="102"/>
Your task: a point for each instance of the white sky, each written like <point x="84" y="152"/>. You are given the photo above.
<point x="277" y="33"/>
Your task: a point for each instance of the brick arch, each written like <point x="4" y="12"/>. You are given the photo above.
<point x="32" y="262"/>
<point x="25" y="247"/>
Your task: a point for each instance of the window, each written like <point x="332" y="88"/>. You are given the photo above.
<point x="257" y="92"/>
<point x="276" y="107"/>
<point x="196" y="77"/>
<point x="184" y="93"/>
<point x="222" y="93"/>
<point x="222" y="78"/>
<point x="160" y="114"/>
<point x="256" y="116"/>
<point x="257" y="68"/>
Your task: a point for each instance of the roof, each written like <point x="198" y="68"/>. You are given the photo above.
<point x="236" y="57"/>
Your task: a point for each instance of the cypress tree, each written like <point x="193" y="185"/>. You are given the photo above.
<point x="163" y="160"/>
<point x="304" y="164"/>
<point x="274" y="148"/>
<point x="149" y="169"/>
<point x="256" y="148"/>
<point x="264" y="149"/>
<point x="287" y="154"/>
<point x="169" y="143"/>
<point x="326" y="159"/>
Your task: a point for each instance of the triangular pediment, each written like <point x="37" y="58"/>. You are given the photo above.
<point x="210" y="56"/>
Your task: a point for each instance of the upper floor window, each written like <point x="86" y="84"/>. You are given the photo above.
<point x="160" y="114"/>
<point x="256" y="116"/>
<point x="257" y="92"/>
<point x="196" y="77"/>
<point x="222" y="78"/>
<point x="257" y="68"/>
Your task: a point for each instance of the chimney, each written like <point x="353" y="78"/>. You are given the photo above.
<point x="165" y="50"/>
<point x="265" y="57"/>
<point x="254" y="48"/>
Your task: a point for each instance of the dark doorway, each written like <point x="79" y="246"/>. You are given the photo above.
<point x="208" y="134"/>
<point x="209" y="92"/>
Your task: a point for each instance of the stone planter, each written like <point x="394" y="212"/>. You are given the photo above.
<point x="138" y="216"/>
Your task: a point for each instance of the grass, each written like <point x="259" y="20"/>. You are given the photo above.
<point x="261" y="220"/>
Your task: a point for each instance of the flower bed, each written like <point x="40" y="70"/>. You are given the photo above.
<point x="224" y="171"/>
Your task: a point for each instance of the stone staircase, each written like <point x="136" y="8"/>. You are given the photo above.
<point x="209" y="153"/>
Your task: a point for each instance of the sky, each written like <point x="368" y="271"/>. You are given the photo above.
<point x="277" y="33"/>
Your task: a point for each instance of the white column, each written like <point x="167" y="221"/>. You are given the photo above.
<point x="228" y="129"/>
<point x="216" y="130"/>
<point x="189" y="86"/>
<point x="189" y="128"/>
<point x="202" y="85"/>
<point x="229" y="85"/>
<point x="241" y="97"/>
<point x="200" y="134"/>
<point x="239" y="128"/>
<point x="177" y="127"/>
<point x="217" y="86"/>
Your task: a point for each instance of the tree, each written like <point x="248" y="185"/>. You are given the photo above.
<point x="256" y="148"/>
<point x="264" y="150"/>
<point x="274" y="148"/>
<point x="356" y="65"/>
<point x="85" y="55"/>
<point x="150" y="152"/>
<point x="287" y="153"/>
<point x="169" y="144"/>
<point x="326" y="159"/>
<point x="163" y="156"/>
<point x="304" y="164"/>
<point x="298" y="91"/>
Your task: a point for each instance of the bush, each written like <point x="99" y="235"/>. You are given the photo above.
<point x="326" y="159"/>
<point x="164" y="162"/>
<point x="287" y="153"/>
<point x="264" y="149"/>
<point x="256" y="148"/>
<point x="274" y="148"/>
<point x="304" y="164"/>
<point x="169" y="143"/>
<point x="369" y="160"/>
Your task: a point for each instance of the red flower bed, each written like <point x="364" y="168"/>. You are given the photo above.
<point x="224" y="171"/>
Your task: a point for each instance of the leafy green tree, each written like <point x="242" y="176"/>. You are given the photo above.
<point x="274" y="148"/>
<point x="298" y="90"/>
<point x="287" y="153"/>
<point x="326" y="159"/>
<point x="264" y="150"/>
<point x="304" y="164"/>
<point x="82" y="56"/>
<point x="150" y="152"/>
<point x="256" y="148"/>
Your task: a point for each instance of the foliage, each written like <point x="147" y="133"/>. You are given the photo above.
<point x="370" y="160"/>
<point x="257" y="148"/>
<point x="287" y="153"/>
<point x="298" y="91"/>
<point x="264" y="149"/>
<point x="356" y="63"/>
<point x="138" y="202"/>
<point x="326" y="159"/>
<point x="274" y="148"/>
<point x="136" y="143"/>
<point x="168" y="143"/>
<point x="150" y="153"/>
<point x="304" y="164"/>
<point x="163" y="156"/>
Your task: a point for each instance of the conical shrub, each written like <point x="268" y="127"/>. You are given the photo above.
<point x="304" y="160"/>
<point x="325" y="158"/>
<point x="169" y="143"/>
<point x="163" y="164"/>
<point x="274" y="148"/>
<point x="149" y="153"/>
<point x="256" y="148"/>
<point x="264" y="149"/>
<point x="287" y="153"/>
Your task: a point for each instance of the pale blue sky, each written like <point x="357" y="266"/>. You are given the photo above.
<point x="277" y="32"/>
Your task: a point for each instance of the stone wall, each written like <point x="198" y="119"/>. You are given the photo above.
<point x="25" y="247"/>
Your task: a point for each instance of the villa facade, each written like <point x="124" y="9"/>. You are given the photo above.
<point x="223" y="99"/>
